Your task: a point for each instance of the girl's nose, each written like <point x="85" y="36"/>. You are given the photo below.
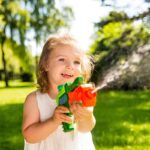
<point x="69" y="66"/>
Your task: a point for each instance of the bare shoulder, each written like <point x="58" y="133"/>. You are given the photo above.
<point x="30" y="101"/>
<point x="30" y="97"/>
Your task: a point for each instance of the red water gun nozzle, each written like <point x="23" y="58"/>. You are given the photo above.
<point x="83" y="94"/>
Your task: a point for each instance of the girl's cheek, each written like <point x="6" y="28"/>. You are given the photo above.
<point x="78" y="72"/>
<point x="79" y="68"/>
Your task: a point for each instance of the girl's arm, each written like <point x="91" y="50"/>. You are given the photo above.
<point x="84" y="117"/>
<point x="33" y="130"/>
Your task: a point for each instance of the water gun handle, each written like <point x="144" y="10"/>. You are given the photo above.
<point x="62" y="99"/>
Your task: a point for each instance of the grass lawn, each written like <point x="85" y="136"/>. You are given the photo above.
<point x="123" y="119"/>
<point x="11" y="105"/>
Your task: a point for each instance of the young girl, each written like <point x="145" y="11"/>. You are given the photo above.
<point x="61" y="61"/>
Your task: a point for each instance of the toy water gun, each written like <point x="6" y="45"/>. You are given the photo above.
<point x="75" y="92"/>
<point x="62" y="99"/>
<point x="84" y="95"/>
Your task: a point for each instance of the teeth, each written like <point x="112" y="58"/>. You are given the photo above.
<point x="67" y="75"/>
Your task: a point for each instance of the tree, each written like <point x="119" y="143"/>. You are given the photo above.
<point x="18" y="18"/>
<point x="13" y="18"/>
<point x="117" y="37"/>
<point x="46" y="18"/>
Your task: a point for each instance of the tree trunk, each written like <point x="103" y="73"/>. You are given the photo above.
<point x="4" y="62"/>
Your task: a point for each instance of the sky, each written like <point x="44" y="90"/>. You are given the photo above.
<point x="88" y="12"/>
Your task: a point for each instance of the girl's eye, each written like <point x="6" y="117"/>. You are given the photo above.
<point x="77" y="62"/>
<point x="61" y="59"/>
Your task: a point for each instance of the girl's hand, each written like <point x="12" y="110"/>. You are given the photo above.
<point x="59" y="115"/>
<point x="81" y="113"/>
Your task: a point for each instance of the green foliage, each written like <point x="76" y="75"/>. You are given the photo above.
<point x="14" y="18"/>
<point x="26" y="77"/>
<point x="113" y="17"/>
<point x="46" y="18"/>
<point x="108" y="36"/>
<point x="117" y="37"/>
<point x="12" y="60"/>
<point x="18" y="56"/>
<point x="17" y="19"/>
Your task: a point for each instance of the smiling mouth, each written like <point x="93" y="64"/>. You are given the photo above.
<point x="67" y="75"/>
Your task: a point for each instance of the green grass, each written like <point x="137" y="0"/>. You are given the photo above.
<point x="123" y="119"/>
<point x="11" y="106"/>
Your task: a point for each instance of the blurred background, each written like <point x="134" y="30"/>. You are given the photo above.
<point x="115" y="32"/>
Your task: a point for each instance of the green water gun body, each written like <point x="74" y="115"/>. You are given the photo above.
<point x="62" y="99"/>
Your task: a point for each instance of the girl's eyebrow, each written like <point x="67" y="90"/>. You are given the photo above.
<point x="77" y="57"/>
<point x="59" y="55"/>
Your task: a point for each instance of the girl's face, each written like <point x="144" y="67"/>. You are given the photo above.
<point x="64" y="65"/>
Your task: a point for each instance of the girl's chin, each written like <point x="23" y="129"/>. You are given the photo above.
<point x="66" y="80"/>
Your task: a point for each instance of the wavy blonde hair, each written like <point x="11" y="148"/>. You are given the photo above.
<point x="54" y="41"/>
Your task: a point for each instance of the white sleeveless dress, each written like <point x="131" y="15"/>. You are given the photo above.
<point x="58" y="140"/>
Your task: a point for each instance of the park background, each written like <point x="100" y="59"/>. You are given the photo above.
<point x="119" y="42"/>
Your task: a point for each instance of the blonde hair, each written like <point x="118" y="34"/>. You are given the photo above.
<point x="54" y="41"/>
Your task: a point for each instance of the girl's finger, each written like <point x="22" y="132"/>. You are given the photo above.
<point x="66" y="119"/>
<point x="62" y="109"/>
